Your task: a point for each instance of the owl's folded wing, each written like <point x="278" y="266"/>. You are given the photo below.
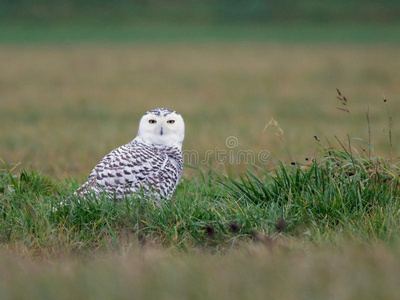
<point x="128" y="167"/>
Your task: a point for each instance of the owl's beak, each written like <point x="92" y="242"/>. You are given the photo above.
<point x="161" y="131"/>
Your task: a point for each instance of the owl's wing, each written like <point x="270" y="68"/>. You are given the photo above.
<point x="128" y="167"/>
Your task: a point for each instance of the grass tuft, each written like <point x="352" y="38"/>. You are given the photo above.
<point x="337" y="195"/>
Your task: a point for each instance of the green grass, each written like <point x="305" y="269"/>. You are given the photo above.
<point x="281" y="33"/>
<point x="342" y="196"/>
<point x="327" y="229"/>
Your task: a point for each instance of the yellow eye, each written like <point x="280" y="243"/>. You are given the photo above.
<point x="152" y="121"/>
<point x="171" y="121"/>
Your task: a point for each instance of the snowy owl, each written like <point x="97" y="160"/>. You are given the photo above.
<point x="151" y="163"/>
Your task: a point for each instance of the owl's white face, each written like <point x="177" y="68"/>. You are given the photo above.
<point x="162" y="127"/>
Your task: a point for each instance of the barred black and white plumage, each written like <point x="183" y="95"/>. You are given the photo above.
<point x="151" y="163"/>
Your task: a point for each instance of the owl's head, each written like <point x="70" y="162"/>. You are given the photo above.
<point x="162" y="126"/>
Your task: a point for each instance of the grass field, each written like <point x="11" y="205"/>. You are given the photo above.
<point x="282" y="33"/>
<point x="62" y="108"/>
<point x="326" y="227"/>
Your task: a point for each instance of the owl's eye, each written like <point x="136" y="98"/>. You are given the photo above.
<point x="171" y="121"/>
<point x="152" y="121"/>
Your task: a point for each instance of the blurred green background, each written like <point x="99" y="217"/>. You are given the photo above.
<point x="120" y="20"/>
<point x="199" y="12"/>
